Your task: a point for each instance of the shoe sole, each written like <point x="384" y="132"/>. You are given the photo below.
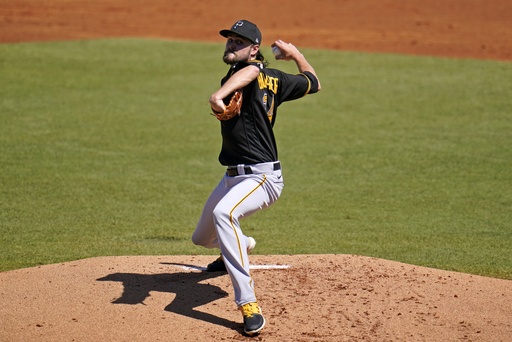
<point x="256" y="331"/>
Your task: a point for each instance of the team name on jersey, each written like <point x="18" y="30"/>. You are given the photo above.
<point x="267" y="82"/>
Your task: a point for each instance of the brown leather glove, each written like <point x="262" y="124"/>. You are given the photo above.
<point x="232" y="109"/>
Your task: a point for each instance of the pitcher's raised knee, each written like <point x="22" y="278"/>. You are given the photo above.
<point x="222" y="218"/>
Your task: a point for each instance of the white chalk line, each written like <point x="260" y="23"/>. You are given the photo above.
<point x="252" y="267"/>
<point x="269" y="267"/>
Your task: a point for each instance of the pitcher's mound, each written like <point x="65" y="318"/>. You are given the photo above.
<point x="303" y="297"/>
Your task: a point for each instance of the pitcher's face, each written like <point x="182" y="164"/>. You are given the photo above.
<point x="239" y="49"/>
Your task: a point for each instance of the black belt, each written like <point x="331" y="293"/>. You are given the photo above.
<point x="233" y="171"/>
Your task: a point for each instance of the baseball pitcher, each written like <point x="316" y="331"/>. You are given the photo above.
<point x="246" y="106"/>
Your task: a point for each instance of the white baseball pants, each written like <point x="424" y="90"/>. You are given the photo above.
<point x="236" y="197"/>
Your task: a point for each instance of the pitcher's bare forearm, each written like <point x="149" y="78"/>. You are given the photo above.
<point x="235" y="82"/>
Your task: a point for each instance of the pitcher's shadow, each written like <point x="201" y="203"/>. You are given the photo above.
<point x="190" y="292"/>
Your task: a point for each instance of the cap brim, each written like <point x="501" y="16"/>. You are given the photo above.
<point x="226" y="33"/>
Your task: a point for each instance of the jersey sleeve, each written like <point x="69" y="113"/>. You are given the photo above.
<point x="314" y="82"/>
<point x="293" y="87"/>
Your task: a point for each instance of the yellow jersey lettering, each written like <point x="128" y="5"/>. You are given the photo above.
<point x="267" y="82"/>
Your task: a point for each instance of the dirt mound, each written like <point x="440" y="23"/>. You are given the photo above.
<point x="304" y="298"/>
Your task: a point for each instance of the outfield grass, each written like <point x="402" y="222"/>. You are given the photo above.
<point x="107" y="148"/>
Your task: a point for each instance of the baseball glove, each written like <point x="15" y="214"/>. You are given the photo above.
<point x="233" y="107"/>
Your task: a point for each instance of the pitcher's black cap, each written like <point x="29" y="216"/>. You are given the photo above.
<point x="245" y="29"/>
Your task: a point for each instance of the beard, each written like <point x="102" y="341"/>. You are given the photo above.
<point x="232" y="57"/>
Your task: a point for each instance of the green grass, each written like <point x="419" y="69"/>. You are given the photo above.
<point x="107" y="148"/>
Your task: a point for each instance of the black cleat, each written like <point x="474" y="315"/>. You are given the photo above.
<point x="217" y="266"/>
<point x="253" y="319"/>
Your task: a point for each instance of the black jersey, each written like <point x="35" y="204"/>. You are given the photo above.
<point x="249" y="137"/>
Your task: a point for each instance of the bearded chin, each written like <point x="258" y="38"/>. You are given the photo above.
<point x="229" y="58"/>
